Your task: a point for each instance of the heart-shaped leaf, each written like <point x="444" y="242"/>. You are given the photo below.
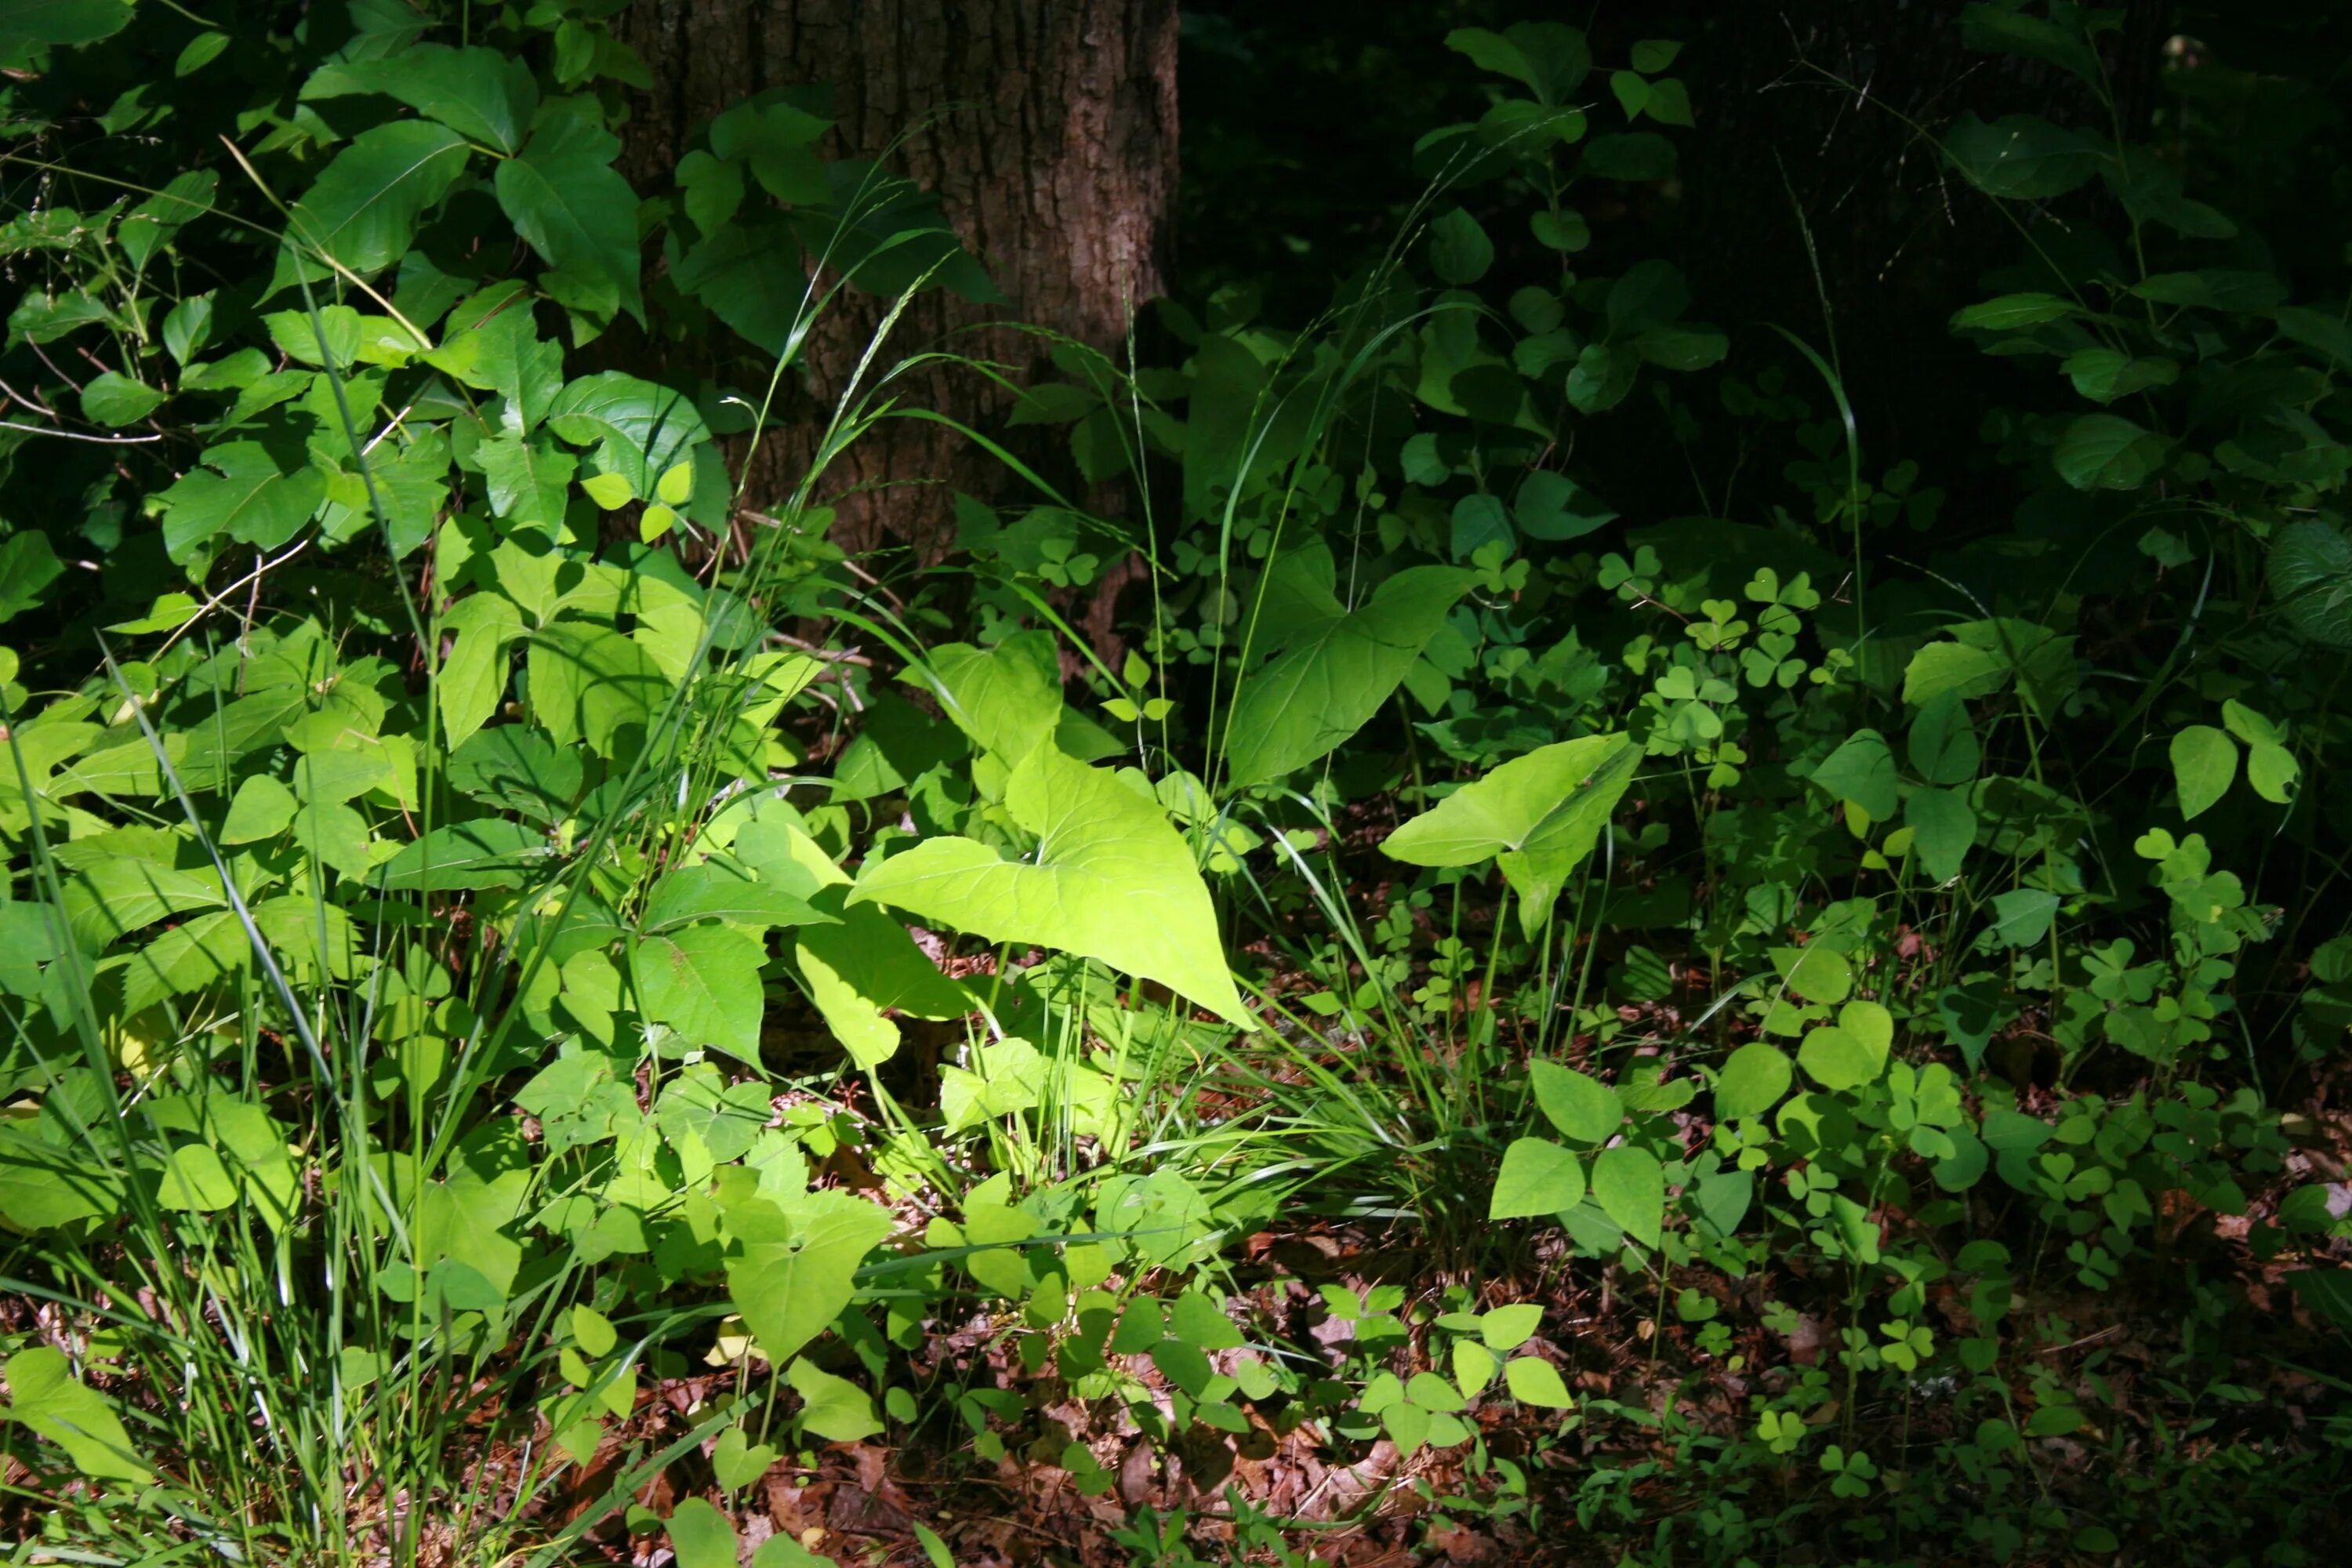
<point x="1109" y="880"/>
<point x="1538" y="815"/>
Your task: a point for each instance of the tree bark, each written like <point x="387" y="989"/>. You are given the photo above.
<point x="1048" y="130"/>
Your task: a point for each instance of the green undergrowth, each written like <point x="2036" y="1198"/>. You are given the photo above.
<point x="551" y="1012"/>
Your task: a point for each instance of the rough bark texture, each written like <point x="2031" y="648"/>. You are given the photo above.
<point x="1048" y="129"/>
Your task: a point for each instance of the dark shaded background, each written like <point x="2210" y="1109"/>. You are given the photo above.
<point x="1298" y="120"/>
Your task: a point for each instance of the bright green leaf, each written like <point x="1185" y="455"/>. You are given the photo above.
<point x="1852" y="1051"/>
<point x="113" y="399"/>
<point x="2204" y="765"/>
<point x="1109" y="880"/>
<point x="701" y="1536"/>
<point x="832" y="1407"/>
<point x="1534" y="1381"/>
<point x="793" y="1272"/>
<point x="363" y="210"/>
<point x="703" y="981"/>
<point x="1631" y="1187"/>
<point x="1537" y="1177"/>
<point x="1752" y="1081"/>
<point x="1539" y="816"/>
<point x="1582" y="1108"/>
<point x="46" y="1397"/>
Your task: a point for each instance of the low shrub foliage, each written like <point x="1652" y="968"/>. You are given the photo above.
<point x="546" y="1004"/>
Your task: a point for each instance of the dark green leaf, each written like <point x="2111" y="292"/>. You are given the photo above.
<point x="363" y="210"/>
<point x="242" y="494"/>
<point x="1334" y="672"/>
<point x="2310" y="573"/>
<point x="491" y="853"/>
<point x="1459" y="250"/>
<point x="567" y="199"/>
<point x="483" y="95"/>
<point x="2020" y="156"/>
<point x="28" y="563"/>
<point x="639" y="430"/>
<point x="1549" y="58"/>
<point x="2106" y="452"/>
<point x="1862" y="770"/>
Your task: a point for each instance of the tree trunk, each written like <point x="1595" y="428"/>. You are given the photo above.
<point x="1048" y="130"/>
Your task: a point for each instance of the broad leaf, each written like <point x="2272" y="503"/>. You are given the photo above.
<point x="567" y="199"/>
<point x="2204" y="765"/>
<point x="639" y="430"/>
<point x="1852" y="1051"/>
<point x="363" y="208"/>
<point x="791" y="1273"/>
<point x="866" y="968"/>
<point x="702" y="1537"/>
<point x="1631" y="1187"/>
<point x="1943" y="831"/>
<point x="1537" y="1177"/>
<point x="1109" y="880"/>
<point x="2022" y="916"/>
<point x="483" y="95"/>
<point x="1539" y="816"/>
<point x="2020" y="156"/>
<point x="114" y="898"/>
<point x="590" y="682"/>
<point x="1536" y="1381"/>
<point x="69" y="22"/>
<point x="1334" y="672"/>
<point x="261" y="810"/>
<point x="1862" y="770"/>
<point x="1550" y="57"/>
<point x="530" y="480"/>
<point x="733" y="272"/>
<point x="1953" y="669"/>
<point x="832" y="1408"/>
<point x="1007" y="698"/>
<point x="242" y="493"/>
<point x="1943" y="743"/>
<point x="114" y="399"/>
<point x="1752" y="1081"/>
<point x="1582" y="1108"/>
<point x="2310" y="573"/>
<point x="505" y="356"/>
<point x="28" y="563"/>
<point x="45" y="1399"/>
<point x="489" y="853"/>
<point x="2107" y="452"/>
<point x="703" y="981"/>
<point x="706" y="892"/>
<point x="472" y="678"/>
<point x="2011" y="311"/>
